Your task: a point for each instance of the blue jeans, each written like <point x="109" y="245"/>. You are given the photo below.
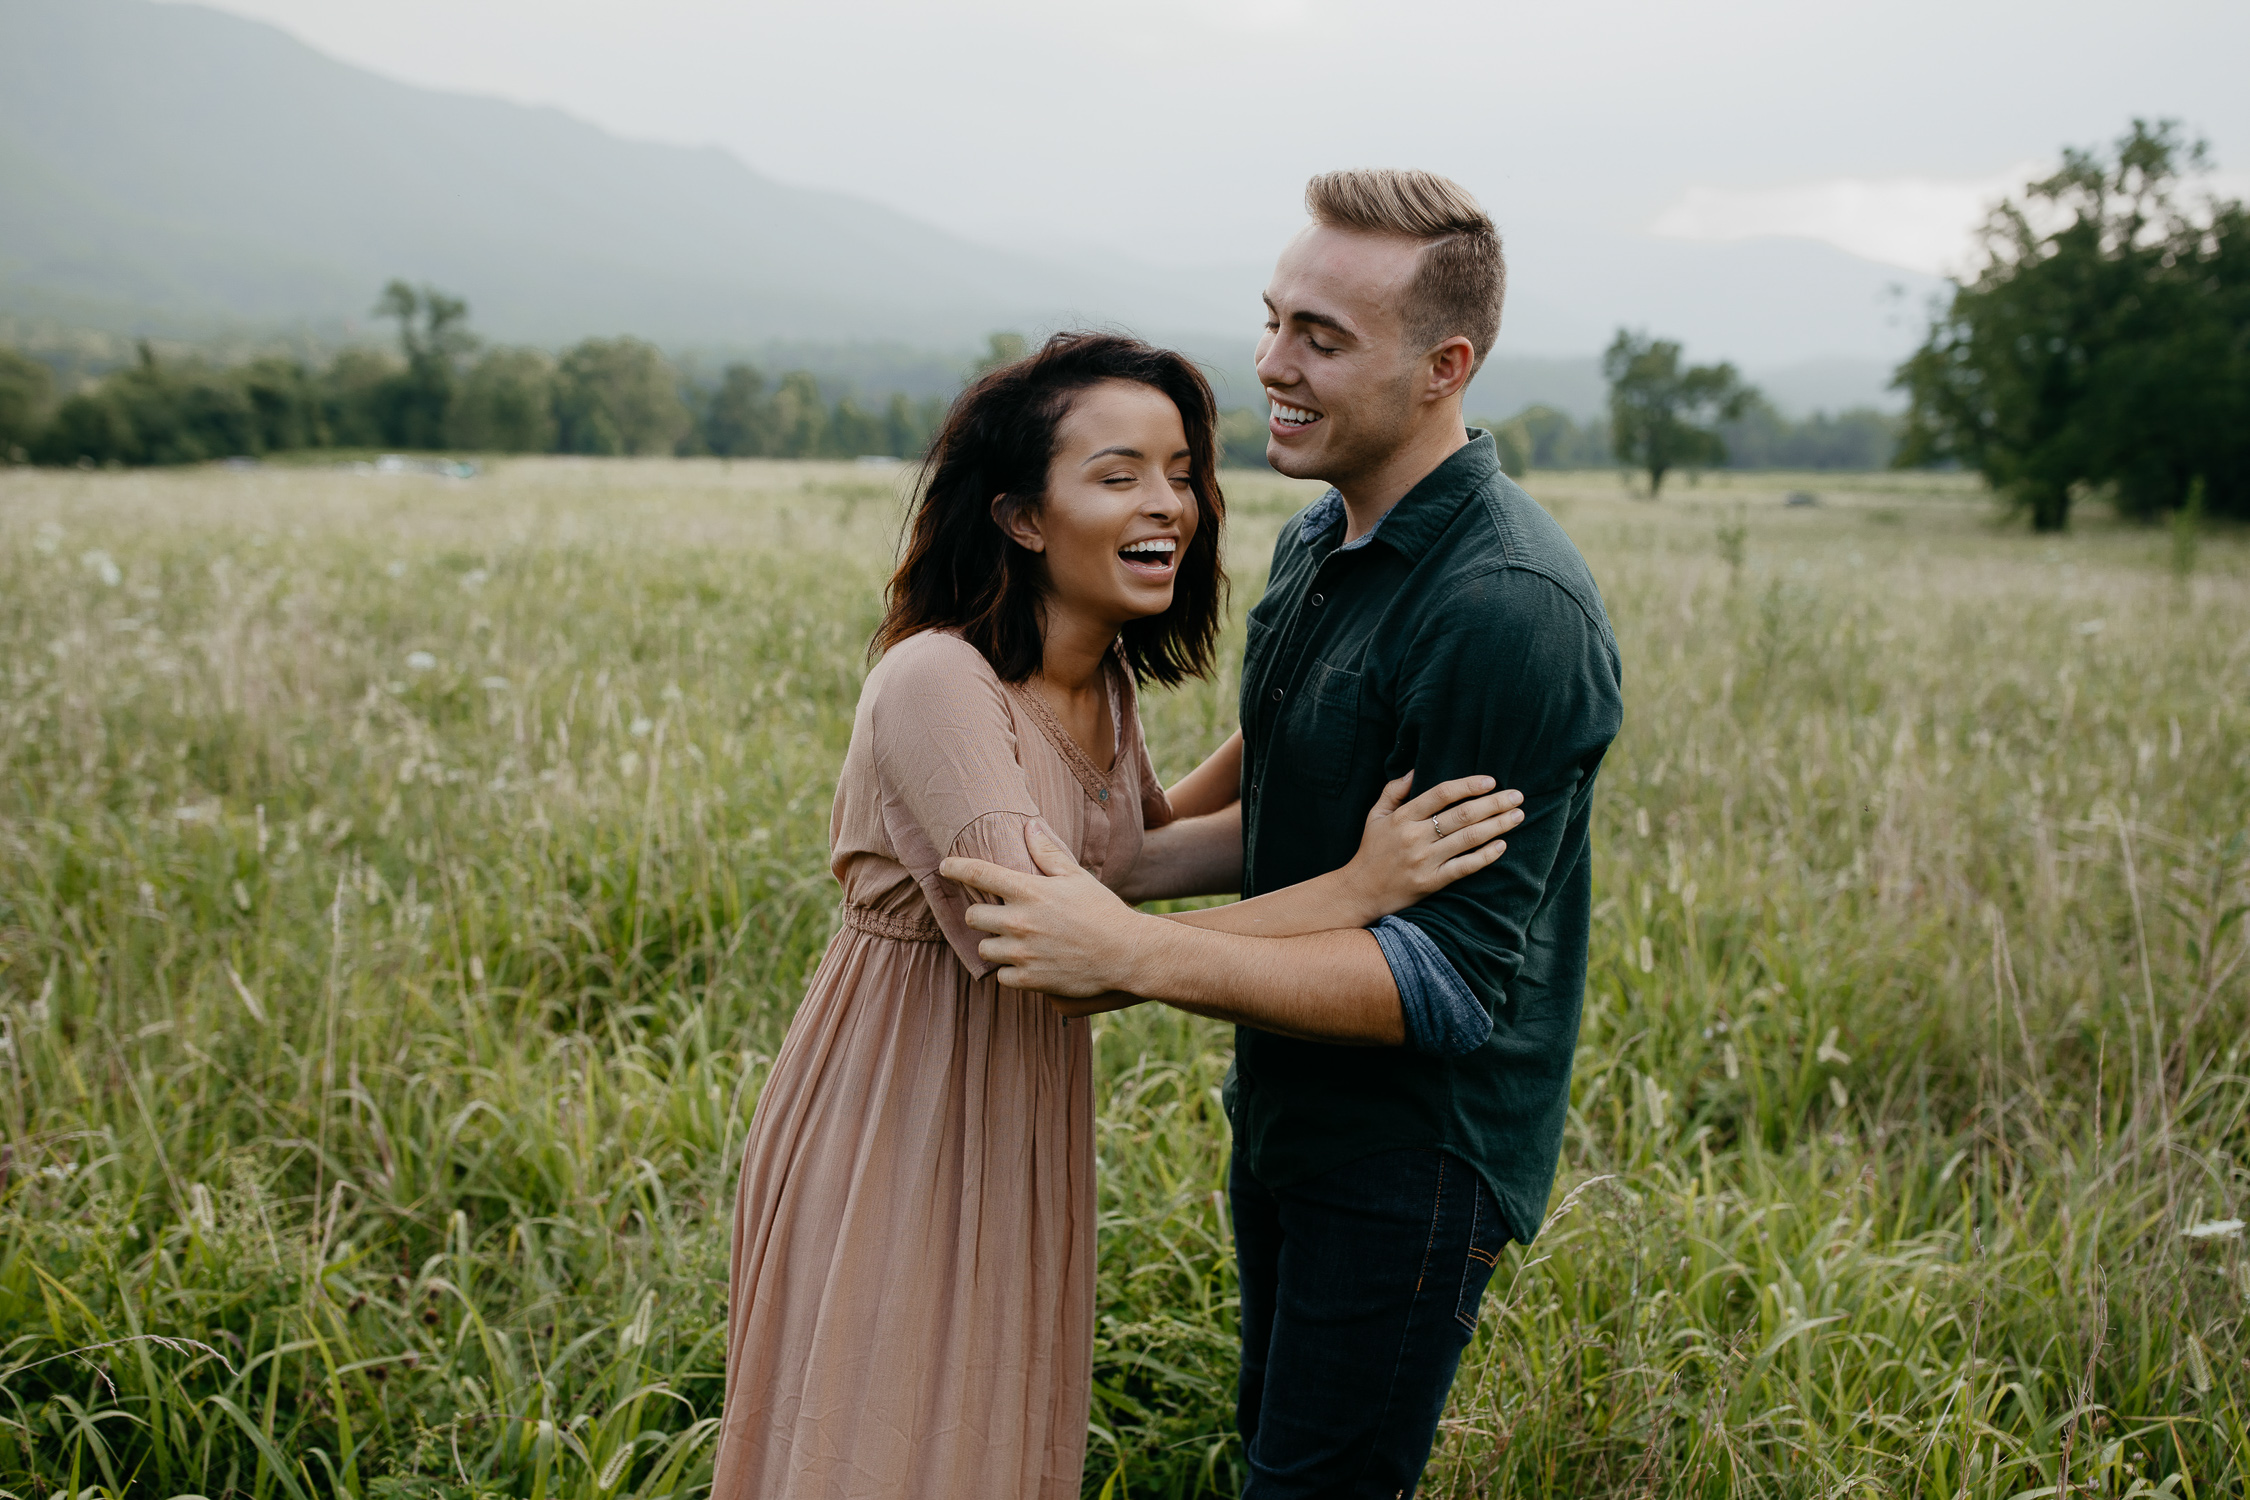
<point x="1359" y="1292"/>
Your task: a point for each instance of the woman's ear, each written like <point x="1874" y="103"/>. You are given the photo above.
<point x="1019" y="523"/>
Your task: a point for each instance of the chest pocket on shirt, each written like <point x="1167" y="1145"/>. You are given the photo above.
<point x="1324" y="726"/>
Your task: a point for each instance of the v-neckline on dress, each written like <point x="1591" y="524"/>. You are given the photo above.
<point x="1090" y="777"/>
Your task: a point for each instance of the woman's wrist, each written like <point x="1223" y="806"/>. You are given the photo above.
<point x="1358" y="896"/>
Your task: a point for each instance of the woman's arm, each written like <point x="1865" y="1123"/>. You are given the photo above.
<point x="1405" y="853"/>
<point x="1212" y="786"/>
<point x="1190" y="856"/>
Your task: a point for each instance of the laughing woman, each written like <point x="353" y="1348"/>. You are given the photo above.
<point x="912" y="1299"/>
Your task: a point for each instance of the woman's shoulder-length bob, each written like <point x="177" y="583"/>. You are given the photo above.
<point x="959" y="571"/>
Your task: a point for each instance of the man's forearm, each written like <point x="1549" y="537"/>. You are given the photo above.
<point x="1324" y="987"/>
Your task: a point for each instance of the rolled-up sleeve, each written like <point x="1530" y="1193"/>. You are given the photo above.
<point x="1521" y="683"/>
<point x="1441" y="1014"/>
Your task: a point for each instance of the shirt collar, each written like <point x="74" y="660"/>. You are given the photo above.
<point x="1419" y="518"/>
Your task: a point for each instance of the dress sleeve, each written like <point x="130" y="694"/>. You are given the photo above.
<point x="945" y="759"/>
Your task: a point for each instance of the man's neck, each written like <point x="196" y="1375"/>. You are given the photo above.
<point x="1368" y="497"/>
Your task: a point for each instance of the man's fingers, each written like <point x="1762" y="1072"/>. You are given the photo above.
<point x="1047" y="851"/>
<point x="1445" y="794"/>
<point x="986" y="917"/>
<point x="992" y="879"/>
<point x="1393" y="794"/>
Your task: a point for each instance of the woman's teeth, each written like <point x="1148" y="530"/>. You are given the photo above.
<point x="1291" y="416"/>
<point x="1154" y="550"/>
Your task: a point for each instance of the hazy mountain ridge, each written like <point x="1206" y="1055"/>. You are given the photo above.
<point x="169" y="168"/>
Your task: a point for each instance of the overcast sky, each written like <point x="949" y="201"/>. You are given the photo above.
<point x="1181" y="131"/>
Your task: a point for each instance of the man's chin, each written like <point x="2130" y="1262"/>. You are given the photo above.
<point x="1292" y="462"/>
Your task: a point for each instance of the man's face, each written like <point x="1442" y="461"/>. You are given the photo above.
<point x="1333" y="359"/>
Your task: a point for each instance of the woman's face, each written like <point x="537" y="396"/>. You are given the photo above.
<point x="1119" y="510"/>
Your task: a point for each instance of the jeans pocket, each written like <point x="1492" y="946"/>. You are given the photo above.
<point x="1488" y="1236"/>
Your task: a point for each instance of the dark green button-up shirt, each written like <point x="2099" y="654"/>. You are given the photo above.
<point x="1467" y="636"/>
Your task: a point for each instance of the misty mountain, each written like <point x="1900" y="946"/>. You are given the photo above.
<point x="157" y="157"/>
<point x="172" y="168"/>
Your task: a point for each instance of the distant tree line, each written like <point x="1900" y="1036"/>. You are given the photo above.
<point x="2104" y="349"/>
<point x="602" y="396"/>
<point x="1757" y="436"/>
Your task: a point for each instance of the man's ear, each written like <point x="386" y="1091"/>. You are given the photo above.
<point x="1020" y="523"/>
<point x="1451" y="364"/>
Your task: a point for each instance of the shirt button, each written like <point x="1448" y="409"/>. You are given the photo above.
<point x="1316" y="599"/>
<point x="1277" y="695"/>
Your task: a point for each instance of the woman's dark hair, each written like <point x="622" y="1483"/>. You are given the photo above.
<point x="961" y="572"/>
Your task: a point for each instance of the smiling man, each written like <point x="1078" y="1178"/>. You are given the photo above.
<point x="1399" y="1093"/>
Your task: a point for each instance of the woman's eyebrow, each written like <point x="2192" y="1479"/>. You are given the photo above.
<point x="1117" y="452"/>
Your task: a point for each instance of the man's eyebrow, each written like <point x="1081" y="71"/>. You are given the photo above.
<point x="1317" y="319"/>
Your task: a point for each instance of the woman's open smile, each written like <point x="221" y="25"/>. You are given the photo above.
<point x="1152" y="556"/>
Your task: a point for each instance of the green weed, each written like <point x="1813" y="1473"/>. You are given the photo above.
<point x="405" y="884"/>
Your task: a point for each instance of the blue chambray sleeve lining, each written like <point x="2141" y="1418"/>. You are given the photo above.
<point x="1442" y="1016"/>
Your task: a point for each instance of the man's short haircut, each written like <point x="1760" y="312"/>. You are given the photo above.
<point x="1462" y="279"/>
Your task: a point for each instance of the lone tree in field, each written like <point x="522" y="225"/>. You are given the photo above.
<point x="1663" y="417"/>
<point x="2105" y="344"/>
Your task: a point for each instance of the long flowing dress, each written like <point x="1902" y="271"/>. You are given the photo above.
<point x="912" y="1292"/>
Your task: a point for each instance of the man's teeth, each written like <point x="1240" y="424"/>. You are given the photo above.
<point x="1291" y="416"/>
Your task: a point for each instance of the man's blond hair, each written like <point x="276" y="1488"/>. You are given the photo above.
<point x="1462" y="279"/>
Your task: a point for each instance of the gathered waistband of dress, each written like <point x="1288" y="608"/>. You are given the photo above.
<point x="905" y="926"/>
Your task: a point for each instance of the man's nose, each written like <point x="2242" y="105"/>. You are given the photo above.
<point x="1274" y="367"/>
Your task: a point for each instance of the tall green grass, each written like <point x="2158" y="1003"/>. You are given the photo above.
<point x="404" y="885"/>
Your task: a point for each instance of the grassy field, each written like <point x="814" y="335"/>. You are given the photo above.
<point x="404" y="884"/>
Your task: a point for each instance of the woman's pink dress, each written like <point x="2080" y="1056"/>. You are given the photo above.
<point x="912" y="1300"/>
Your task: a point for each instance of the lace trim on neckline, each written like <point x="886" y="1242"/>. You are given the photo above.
<point x="1082" y="767"/>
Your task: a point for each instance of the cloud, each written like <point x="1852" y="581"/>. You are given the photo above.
<point x="1925" y="224"/>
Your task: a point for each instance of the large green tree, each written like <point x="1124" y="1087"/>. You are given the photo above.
<point x="2104" y="345"/>
<point x="505" y="404"/>
<point x="25" y="386"/>
<point x="739" y="423"/>
<point x="1663" y="415"/>
<point x="434" y="336"/>
<point x="618" y="396"/>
